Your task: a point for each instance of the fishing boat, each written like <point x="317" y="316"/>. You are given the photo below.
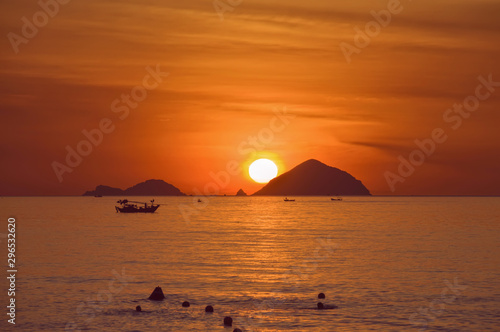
<point x="127" y="206"/>
<point x="289" y="200"/>
<point x="336" y="198"/>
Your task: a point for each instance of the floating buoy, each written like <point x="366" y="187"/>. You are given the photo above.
<point x="185" y="304"/>
<point x="322" y="306"/>
<point x="209" y="308"/>
<point x="321" y="295"/>
<point x="138" y="308"/>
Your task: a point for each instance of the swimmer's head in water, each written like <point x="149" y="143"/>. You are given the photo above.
<point x="228" y="321"/>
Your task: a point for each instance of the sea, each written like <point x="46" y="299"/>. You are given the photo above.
<point x="387" y="263"/>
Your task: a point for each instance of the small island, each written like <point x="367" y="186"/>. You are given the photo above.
<point x="241" y="193"/>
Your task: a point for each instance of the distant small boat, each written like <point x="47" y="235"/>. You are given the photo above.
<point x="289" y="200"/>
<point x="98" y="196"/>
<point x="336" y="199"/>
<point x="199" y="200"/>
<point x="132" y="207"/>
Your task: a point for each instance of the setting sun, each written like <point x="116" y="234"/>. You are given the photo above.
<point x="263" y="170"/>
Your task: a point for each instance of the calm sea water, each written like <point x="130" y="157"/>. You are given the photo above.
<point x="389" y="263"/>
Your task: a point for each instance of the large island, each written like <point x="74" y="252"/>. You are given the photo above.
<point x="313" y="178"/>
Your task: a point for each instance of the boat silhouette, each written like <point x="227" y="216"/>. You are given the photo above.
<point x="132" y="207"/>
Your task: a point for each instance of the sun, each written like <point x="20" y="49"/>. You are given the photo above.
<point x="263" y="170"/>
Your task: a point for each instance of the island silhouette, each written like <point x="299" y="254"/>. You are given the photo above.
<point x="241" y="193"/>
<point x="313" y="178"/>
<point x="146" y="188"/>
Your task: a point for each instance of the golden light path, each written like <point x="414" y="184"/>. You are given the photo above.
<point x="263" y="170"/>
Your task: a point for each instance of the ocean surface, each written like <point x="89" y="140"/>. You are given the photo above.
<point x="388" y="263"/>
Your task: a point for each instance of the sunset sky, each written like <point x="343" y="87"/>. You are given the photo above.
<point x="227" y="80"/>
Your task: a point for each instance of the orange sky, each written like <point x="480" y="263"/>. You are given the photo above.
<point x="227" y="77"/>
